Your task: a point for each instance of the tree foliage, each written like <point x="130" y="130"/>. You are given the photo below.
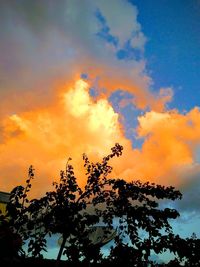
<point x="133" y="208"/>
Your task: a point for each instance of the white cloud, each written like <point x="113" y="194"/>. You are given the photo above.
<point x="139" y="41"/>
<point x="121" y="17"/>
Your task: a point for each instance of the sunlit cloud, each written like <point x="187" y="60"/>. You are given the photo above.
<point x="46" y="137"/>
<point x="78" y="124"/>
<point x="47" y="113"/>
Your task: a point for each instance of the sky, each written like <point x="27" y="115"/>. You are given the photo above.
<point x="78" y="76"/>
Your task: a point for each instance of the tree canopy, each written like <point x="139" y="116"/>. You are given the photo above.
<point x="133" y="209"/>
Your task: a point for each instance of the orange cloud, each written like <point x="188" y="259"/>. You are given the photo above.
<point x="43" y="122"/>
<point x="171" y="141"/>
<point x="47" y="137"/>
<point x="76" y="123"/>
<point x="132" y="79"/>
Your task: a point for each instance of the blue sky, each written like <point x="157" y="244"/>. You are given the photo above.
<point x="172" y="50"/>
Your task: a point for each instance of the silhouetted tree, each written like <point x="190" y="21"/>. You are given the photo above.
<point x="143" y="226"/>
<point x="74" y="210"/>
<point x="187" y="251"/>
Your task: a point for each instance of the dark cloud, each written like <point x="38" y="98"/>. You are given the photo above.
<point x="191" y="192"/>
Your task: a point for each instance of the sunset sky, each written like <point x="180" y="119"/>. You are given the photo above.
<point x="80" y="75"/>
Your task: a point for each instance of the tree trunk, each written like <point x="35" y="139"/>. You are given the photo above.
<point x="61" y="250"/>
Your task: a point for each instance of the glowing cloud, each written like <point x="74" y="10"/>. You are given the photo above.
<point x="46" y="137"/>
<point x="47" y="113"/>
<point x="78" y="124"/>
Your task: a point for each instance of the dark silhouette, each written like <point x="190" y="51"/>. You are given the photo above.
<point x="143" y="227"/>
